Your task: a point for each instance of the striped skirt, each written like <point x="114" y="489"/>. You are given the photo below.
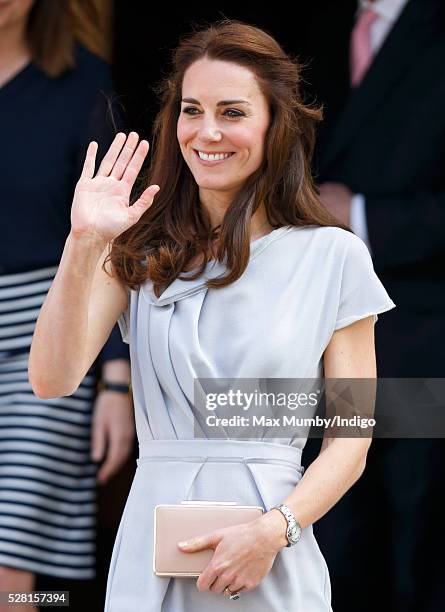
<point x="47" y="480"/>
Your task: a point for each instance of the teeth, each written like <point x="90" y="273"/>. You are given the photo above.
<point x="213" y="157"/>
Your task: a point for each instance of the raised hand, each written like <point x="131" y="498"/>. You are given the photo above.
<point x="100" y="206"/>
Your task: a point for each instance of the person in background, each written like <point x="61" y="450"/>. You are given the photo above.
<point x="380" y="170"/>
<point x="53" y="101"/>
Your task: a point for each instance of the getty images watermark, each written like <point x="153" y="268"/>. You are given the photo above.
<point x="313" y="407"/>
<point x="243" y="401"/>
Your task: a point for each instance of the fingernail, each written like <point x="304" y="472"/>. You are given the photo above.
<point x="183" y="544"/>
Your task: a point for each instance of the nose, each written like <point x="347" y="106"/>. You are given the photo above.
<point x="210" y="131"/>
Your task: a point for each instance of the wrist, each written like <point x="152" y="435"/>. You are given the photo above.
<point x="116" y="370"/>
<point x="119" y="387"/>
<point x="87" y="239"/>
<point x="274" y="527"/>
<point x="294" y="529"/>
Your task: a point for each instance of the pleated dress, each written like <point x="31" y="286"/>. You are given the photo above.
<point x="274" y="322"/>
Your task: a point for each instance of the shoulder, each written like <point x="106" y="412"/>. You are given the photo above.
<point x="319" y="250"/>
<point x="90" y="65"/>
<point x="88" y="87"/>
<point x="90" y="73"/>
<point x="323" y="239"/>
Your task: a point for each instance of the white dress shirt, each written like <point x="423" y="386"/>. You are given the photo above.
<point x="388" y="12"/>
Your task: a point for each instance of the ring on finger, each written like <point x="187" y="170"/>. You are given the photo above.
<point x="232" y="594"/>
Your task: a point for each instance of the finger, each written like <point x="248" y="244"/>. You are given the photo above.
<point x="207" y="540"/>
<point x="98" y="441"/>
<point x="125" y="156"/>
<point x="207" y="578"/>
<point x="135" y="164"/>
<point x="143" y="203"/>
<point x="112" y="463"/>
<point x="236" y="585"/>
<point x="221" y="583"/>
<point x="108" y="468"/>
<point x="90" y="161"/>
<point x="112" y="154"/>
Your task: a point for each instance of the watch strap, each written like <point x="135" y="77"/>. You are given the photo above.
<point x="290" y="518"/>
<point x="104" y="385"/>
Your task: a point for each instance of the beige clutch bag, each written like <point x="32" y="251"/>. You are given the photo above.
<point x="174" y="523"/>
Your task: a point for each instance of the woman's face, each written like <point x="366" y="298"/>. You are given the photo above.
<point x="222" y="124"/>
<point x="13" y="12"/>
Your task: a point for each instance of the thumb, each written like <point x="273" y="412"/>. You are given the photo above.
<point x="144" y="202"/>
<point x="208" y="540"/>
<point x="97" y="441"/>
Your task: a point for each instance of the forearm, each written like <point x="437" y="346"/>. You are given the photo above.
<point x="325" y="481"/>
<point x="56" y="356"/>
<point x="85" y="299"/>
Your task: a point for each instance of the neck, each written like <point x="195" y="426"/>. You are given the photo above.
<point x="14" y="52"/>
<point x="216" y="205"/>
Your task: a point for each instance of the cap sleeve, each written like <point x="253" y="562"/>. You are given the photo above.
<point x="124" y="320"/>
<point x="362" y="294"/>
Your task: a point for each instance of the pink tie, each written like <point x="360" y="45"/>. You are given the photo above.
<point x="361" y="53"/>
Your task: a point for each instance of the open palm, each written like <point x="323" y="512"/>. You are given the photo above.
<point x="101" y="204"/>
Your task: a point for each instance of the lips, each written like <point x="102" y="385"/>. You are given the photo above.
<point x="213" y="157"/>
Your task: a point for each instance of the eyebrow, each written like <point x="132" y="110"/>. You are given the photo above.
<point x="221" y="103"/>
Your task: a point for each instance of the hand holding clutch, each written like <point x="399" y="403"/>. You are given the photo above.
<point x="174" y="523"/>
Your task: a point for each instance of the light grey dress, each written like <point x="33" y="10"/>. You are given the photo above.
<point x="301" y="284"/>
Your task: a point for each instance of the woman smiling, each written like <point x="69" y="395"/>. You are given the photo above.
<point x="227" y="266"/>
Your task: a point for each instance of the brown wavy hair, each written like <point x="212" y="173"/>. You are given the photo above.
<point x="54" y="27"/>
<point x="176" y="228"/>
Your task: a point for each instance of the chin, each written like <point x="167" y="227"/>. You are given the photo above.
<point x="223" y="189"/>
<point x="211" y="183"/>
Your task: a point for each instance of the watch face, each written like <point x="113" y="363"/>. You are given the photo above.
<point x="294" y="533"/>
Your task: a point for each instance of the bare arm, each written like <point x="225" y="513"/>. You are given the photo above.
<point x="69" y="333"/>
<point x="341" y="461"/>
<point x="84" y="302"/>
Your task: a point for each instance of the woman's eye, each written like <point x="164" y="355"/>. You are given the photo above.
<point x="189" y="110"/>
<point x="234" y="113"/>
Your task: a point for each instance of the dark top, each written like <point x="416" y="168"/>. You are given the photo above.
<point x="386" y="140"/>
<point x="45" y="125"/>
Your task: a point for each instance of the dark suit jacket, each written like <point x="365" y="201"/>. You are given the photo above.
<point x="386" y="139"/>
